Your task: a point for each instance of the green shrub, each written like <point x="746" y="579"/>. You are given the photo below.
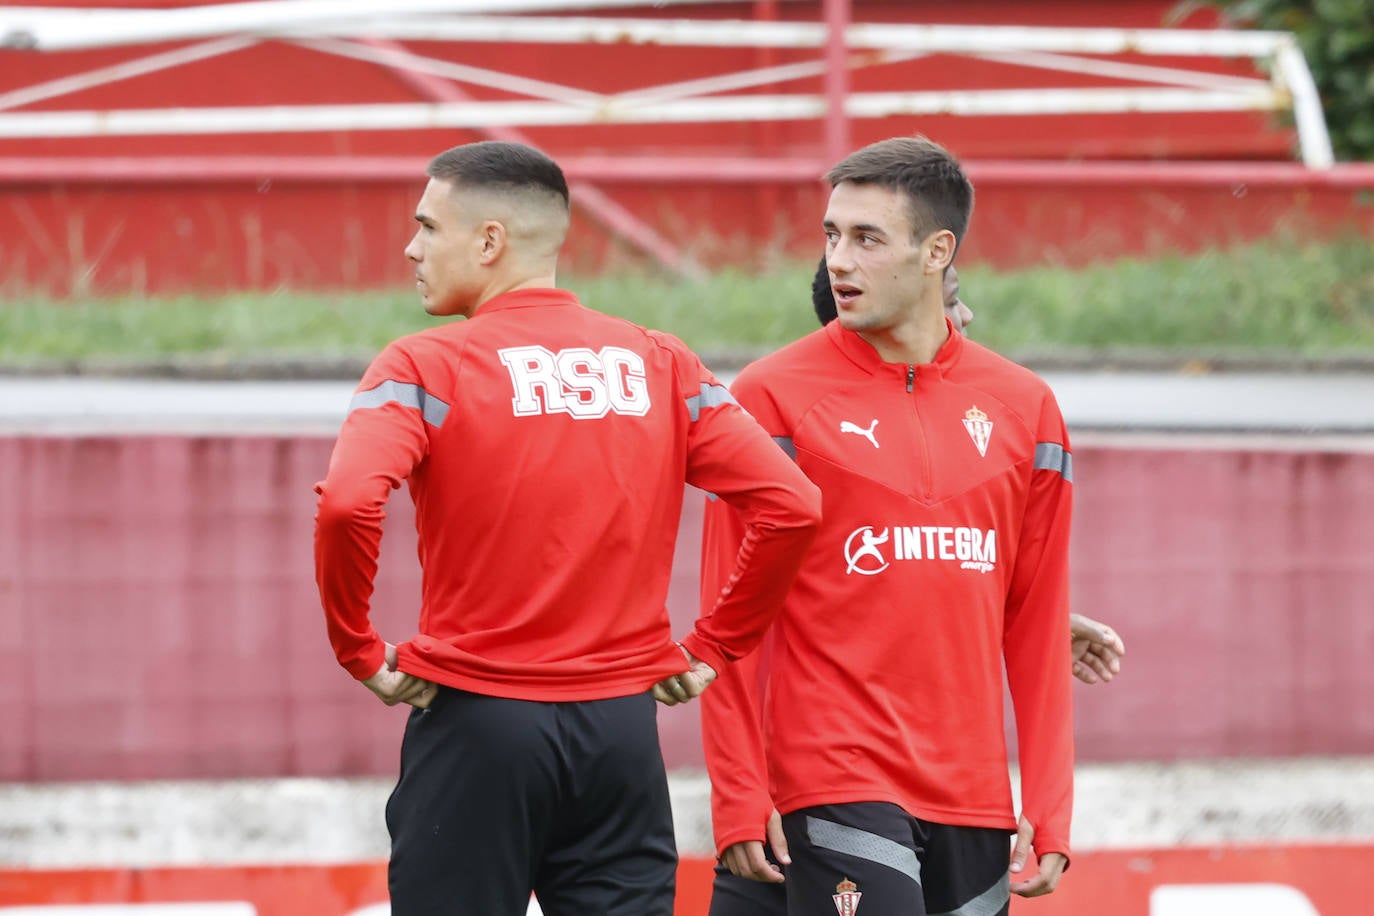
<point x="1337" y="37"/>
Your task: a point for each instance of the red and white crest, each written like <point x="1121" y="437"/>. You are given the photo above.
<point x="847" y="897"/>
<point x="979" y="429"/>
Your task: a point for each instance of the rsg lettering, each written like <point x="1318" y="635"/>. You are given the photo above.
<point x="586" y="384"/>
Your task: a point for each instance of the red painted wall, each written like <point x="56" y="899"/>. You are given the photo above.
<point x="107" y="214"/>
<point x="261" y="233"/>
<point x="158" y="616"/>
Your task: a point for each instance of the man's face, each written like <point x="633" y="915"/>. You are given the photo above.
<point x="445" y="251"/>
<point x="961" y="315"/>
<point x="875" y="266"/>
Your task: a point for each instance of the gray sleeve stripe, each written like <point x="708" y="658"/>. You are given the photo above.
<point x="863" y="845"/>
<point x="1050" y="456"/>
<point x="711" y="396"/>
<point x="988" y="903"/>
<point x="431" y="408"/>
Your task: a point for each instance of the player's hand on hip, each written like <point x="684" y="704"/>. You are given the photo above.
<point x="1097" y="650"/>
<point x="1051" y="864"/>
<point x="690" y="684"/>
<point x="393" y="687"/>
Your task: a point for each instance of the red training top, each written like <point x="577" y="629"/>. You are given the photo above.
<point x="943" y="552"/>
<point x="546" y="446"/>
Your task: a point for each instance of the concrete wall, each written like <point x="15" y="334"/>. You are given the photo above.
<point x="159" y="617"/>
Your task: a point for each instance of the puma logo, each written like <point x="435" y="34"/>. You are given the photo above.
<point x="847" y="427"/>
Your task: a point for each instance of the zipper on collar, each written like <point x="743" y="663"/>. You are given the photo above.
<point x="910" y="378"/>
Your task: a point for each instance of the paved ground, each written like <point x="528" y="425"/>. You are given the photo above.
<point x="1304" y="404"/>
<point x="1126" y="805"/>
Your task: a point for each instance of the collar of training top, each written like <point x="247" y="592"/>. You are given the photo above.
<point x="525" y="298"/>
<point x="862" y="352"/>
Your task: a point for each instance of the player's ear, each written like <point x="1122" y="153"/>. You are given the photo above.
<point x="494" y="238"/>
<point x="940" y="247"/>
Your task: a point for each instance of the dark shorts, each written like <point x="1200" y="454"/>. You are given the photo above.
<point x="874" y="859"/>
<point x="498" y="798"/>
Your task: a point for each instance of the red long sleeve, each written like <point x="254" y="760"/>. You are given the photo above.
<point x="1037" y="630"/>
<point x="748" y="472"/>
<point x="731" y="711"/>
<point x="378" y="448"/>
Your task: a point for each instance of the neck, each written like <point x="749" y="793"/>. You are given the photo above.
<point x="915" y="340"/>
<point x="503" y="285"/>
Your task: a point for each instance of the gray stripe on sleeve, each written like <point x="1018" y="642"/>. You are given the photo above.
<point x="988" y="903"/>
<point x="863" y="845"/>
<point x="710" y="396"/>
<point x="407" y="395"/>
<point x="1051" y="456"/>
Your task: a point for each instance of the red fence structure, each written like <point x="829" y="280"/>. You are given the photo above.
<point x="123" y="205"/>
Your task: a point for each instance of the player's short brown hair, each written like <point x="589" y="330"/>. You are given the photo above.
<point x="499" y="165"/>
<point x="939" y="194"/>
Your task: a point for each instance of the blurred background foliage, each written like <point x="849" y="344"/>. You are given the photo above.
<point x="1337" y="37"/>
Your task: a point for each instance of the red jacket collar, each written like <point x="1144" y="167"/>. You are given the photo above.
<point x="862" y="353"/>
<point x="524" y="298"/>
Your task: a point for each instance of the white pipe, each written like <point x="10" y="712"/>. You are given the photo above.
<point x="1059" y="101"/>
<point x="1296" y="80"/>
<point x="302" y="118"/>
<point x="961" y="39"/>
<point x="1115" y="69"/>
<point x="58" y="30"/>
<point x="721" y="33"/>
<point x="748" y="33"/>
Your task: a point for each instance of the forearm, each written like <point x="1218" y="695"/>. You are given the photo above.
<point x="767" y="560"/>
<point x="348" y="532"/>
<point x="1042" y="699"/>
<point x="732" y="738"/>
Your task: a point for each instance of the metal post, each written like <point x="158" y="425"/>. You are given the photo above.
<point x="836" y="80"/>
<point x="766" y="132"/>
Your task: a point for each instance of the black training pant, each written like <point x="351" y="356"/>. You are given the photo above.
<point x="874" y="859"/>
<point x="500" y="797"/>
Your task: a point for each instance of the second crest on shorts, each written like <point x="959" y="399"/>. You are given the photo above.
<point x="846" y="897"/>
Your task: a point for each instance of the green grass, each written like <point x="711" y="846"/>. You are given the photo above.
<point x="1275" y="296"/>
<point x="1307" y="299"/>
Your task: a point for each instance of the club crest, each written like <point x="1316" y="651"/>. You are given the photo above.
<point x="979" y="429"/>
<point x="846" y="897"/>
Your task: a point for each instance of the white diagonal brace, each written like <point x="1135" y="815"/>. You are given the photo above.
<point x="127" y="70"/>
<point x="398" y="57"/>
